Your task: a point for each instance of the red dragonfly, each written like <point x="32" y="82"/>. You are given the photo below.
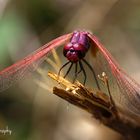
<point x="124" y="90"/>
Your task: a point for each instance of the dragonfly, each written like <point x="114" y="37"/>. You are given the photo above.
<point x="124" y="90"/>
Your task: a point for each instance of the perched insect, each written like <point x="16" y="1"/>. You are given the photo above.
<point x="124" y="90"/>
<point x="75" y="52"/>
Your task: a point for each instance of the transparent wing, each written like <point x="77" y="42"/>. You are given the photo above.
<point x="124" y="90"/>
<point x="27" y="65"/>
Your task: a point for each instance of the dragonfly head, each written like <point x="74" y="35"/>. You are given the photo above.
<point x="74" y="52"/>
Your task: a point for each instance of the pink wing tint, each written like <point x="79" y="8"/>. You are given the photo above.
<point x="124" y="90"/>
<point x="18" y="70"/>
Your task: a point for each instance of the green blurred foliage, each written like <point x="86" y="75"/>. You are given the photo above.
<point x="11" y="30"/>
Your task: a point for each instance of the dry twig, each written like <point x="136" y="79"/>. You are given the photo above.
<point x="98" y="104"/>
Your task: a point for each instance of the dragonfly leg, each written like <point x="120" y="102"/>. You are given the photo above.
<point x="92" y="72"/>
<point x="68" y="70"/>
<point x="63" y="67"/>
<point x="84" y="72"/>
<point x="76" y="72"/>
<point x="75" y="76"/>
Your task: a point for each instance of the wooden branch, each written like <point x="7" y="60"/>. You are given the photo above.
<point x="99" y="105"/>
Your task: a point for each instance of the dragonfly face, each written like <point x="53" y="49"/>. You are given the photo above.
<point x="77" y="47"/>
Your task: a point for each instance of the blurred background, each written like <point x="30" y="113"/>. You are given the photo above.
<point x="33" y="113"/>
